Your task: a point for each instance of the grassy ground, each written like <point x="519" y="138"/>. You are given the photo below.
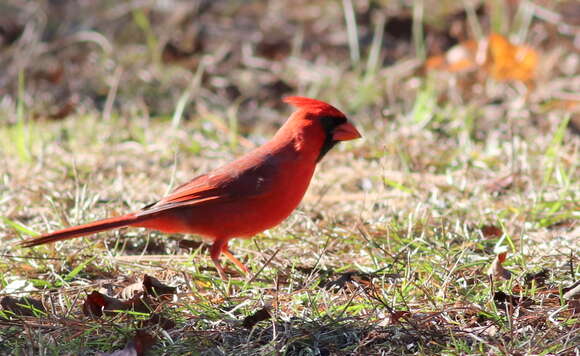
<point x="390" y="252"/>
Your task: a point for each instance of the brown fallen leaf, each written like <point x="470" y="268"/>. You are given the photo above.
<point x="397" y="315"/>
<point x="22" y="306"/>
<point x="260" y="315"/>
<point x="496" y="270"/>
<point x="97" y="303"/>
<point x="538" y="277"/>
<point x="137" y="346"/>
<point x="155" y="288"/>
<point x="491" y="231"/>
<point x="274" y="48"/>
<point x="503" y="300"/>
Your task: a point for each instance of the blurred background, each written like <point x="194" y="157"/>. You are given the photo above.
<point x="183" y="59"/>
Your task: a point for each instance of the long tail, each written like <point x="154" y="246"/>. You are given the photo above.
<point x="81" y="230"/>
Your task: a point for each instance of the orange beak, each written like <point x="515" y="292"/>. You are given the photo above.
<point x="345" y="132"/>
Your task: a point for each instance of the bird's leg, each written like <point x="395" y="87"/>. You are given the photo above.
<point x="215" y="251"/>
<point x="221" y="246"/>
<point x="232" y="258"/>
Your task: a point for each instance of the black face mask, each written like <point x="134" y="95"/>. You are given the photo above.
<point x="329" y="123"/>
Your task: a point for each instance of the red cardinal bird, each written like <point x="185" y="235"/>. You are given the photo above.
<point x="247" y="196"/>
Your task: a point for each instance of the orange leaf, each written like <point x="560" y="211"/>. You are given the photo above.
<point x="511" y="62"/>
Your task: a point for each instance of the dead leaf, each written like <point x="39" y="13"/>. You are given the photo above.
<point x="23" y="306"/>
<point x="396" y="316"/>
<point x="503" y="300"/>
<point x="261" y="315"/>
<point x="137" y="346"/>
<point x="495" y="55"/>
<point x="496" y="270"/>
<point x="491" y="231"/>
<point x="507" y="61"/>
<point x="97" y="303"/>
<point x="155" y="288"/>
<point x="538" y="277"/>
<point x="274" y="48"/>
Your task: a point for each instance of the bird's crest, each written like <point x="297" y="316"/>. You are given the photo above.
<point x="313" y="106"/>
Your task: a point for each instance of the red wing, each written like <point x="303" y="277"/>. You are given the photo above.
<point x="200" y="187"/>
<point x="238" y="180"/>
<point x="196" y="191"/>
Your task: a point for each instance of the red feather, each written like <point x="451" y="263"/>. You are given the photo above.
<point x="313" y="106"/>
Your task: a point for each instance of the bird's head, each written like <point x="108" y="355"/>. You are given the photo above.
<point x="321" y="123"/>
